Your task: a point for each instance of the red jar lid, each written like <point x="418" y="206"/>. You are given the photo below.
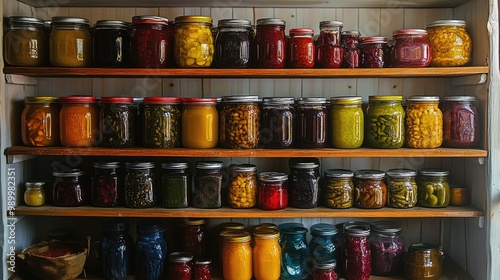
<point x="149" y="19"/>
<point x="373" y="40"/>
<point x="162" y="100"/>
<point x="78" y="99"/>
<point x="294" y="31"/>
<point x="117" y="100"/>
<point x="410" y="32"/>
<point x="195" y="100"/>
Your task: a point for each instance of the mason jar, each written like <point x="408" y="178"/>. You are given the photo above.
<point x="433" y="187"/>
<point x="338" y="188"/>
<point x="200" y="123"/>
<point x="270" y="43"/>
<point x="357" y="253"/>
<point x="180" y="266"/>
<point x="350" y="48"/>
<point x="115" y="250"/>
<point x="105" y="188"/>
<point x="242" y="190"/>
<point x="424" y="122"/>
<point x="149" y="42"/>
<point x="79" y="121"/>
<point x="278" y="127"/>
<point x="311" y="123"/>
<point x="162" y="122"/>
<point x="410" y="48"/>
<point x="25" y="42"/>
<point x="301" y="53"/>
<point x="34" y="195"/>
<point x="460" y="122"/>
<point x="273" y="190"/>
<point x="40" y="121"/>
<point x="237" y="255"/>
<point x="207" y="192"/>
<point x="346" y="122"/>
<point x="117" y="122"/>
<point x="70" y="42"/>
<point x="329" y="52"/>
<point x="151" y="251"/>
<point x="233" y="43"/>
<point x="323" y="246"/>
<point x="139" y="185"/>
<point x="239" y="122"/>
<point x="194" y="237"/>
<point x="450" y="42"/>
<point x="176" y="184"/>
<point x="294" y="253"/>
<point x="303" y="183"/>
<point x="402" y="190"/>
<point x="374" y="52"/>
<point x="194" y="42"/>
<point x="69" y="188"/>
<point x="266" y="254"/>
<point x="424" y="261"/>
<point x="387" y="248"/>
<point x="385" y="122"/>
<point x="370" y="190"/>
<point x="111" y="43"/>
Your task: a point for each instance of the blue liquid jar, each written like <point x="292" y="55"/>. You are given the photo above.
<point x="294" y="252"/>
<point x="151" y="251"/>
<point x="323" y="246"/>
<point x="115" y="250"/>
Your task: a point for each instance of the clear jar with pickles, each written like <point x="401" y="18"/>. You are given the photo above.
<point x="424" y="122"/>
<point x="402" y="188"/>
<point x="451" y="44"/>
<point x="433" y="187"/>
<point x="385" y="120"/>
<point x="40" y="121"/>
<point x="338" y="188"/>
<point x="70" y="42"/>
<point x="194" y="42"/>
<point x="346" y="122"/>
<point x="242" y="190"/>
<point x="25" y="42"/>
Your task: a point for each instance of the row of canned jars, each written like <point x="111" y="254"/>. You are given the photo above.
<point x="246" y="122"/>
<point x="154" y="42"/>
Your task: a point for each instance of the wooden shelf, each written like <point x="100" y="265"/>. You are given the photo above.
<point x="318" y="212"/>
<point x="248" y="73"/>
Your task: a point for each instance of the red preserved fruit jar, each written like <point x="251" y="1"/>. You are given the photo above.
<point x="180" y="266"/>
<point x="202" y="269"/>
<point x="460" y="122"/>
<point x="301" y="51"/>
<point x="374" y="52"/>
<point x="410" y="48"/>
<point x="270" y="43"/>
<point x="351" y="51"/>
<point x="273" y="191"/>
<point x="329" y="53"/>
<point x="104" y="186"/>
<point x="150" y="42"/>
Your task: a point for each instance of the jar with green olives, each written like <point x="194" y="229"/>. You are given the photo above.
<point x="433" y="186"/>
<point x="401" y="188"/>
<point x="346" y="122"/>
<point x="162" y="122"/>
<point x="338" y="188"/>
<point x="384" y="125"/>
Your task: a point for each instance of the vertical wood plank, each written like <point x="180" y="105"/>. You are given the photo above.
<point x="81" y="12"/>
<point x="263" y="13"/>
<point x="290" y="17"/>
<point x="350" y="18"/>
<point x="218" y="13"/>
<point x="415" y="18"/>
<point x="171" y="12"/>
<point x="244" y="13"/>
<point x="125" y="14"/>
<point x="153" y="11"/>
<point x="369" y="22"/>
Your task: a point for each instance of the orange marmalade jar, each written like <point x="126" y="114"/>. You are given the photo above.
<point x="40" y="121"/>
<point x="79" y="121"/>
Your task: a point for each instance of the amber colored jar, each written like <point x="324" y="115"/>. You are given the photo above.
<point x="69" y="189"/>
<point x="194" y="42"/>
<point x="266" y="254"/>
<point x="424" y="122"/>
<point x="237" y="255"/>
<point x="270" y="43"/>
<point x="40" y="121"/>
<point x="70" y="42"/>
<point x="239" y="122"/>
<point x="79" y="121"/>
<point x="370" y="191"/>
<point x="149" y="42"/>
<point x="111" y="43"/>
<point x="200" y="123"/>
<point x="311" y="122"/>
<point x="410" y="48"/>
<point x="329" y="53"/>
<point x="424" y="262"/>
<point x="451" y="44"/>
<point x="25" y="42"/>
<point x="34" y="195"/>
<point x="301" y="49"/>
<point x="374" y="52"/>
<point x="460" y="122"/>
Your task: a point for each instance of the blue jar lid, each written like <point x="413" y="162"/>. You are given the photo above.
<point x="294" y="230"/>
<point x="283" y="226"/>
<point x="323" y="229"/>
<point x="114" y="226"/>
<point x="146" y="227"/>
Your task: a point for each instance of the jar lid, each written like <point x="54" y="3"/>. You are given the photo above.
<point x="40" y="99"/>
<point x="117" y="100"/>
<point x="114" y="226"/>
<point x="294" y="230"/>
<point x="401" y="172"/>
<point x="209" y="165"/>
<point x="78" y="99"/>
<point x="357" y="229"/>
<point x="273" y="176"/>
<point x="181" y="257"/>
<point x="311" y="100"/>
<point x="202" y="261"/>
<point x="150" y="226"/>
<point x="195" y="100"/>
<point x="303" y="163"/>
<point x="270" y="21"/>
<point x="338" y="173"/>
<point x="460" y="98"/>
<point x="235" y="235"/>
<point x="433" y="172"/>
<point x="106" y="165"/>
<point x="149" y="19"/>
<point x="331" y="23"/>
<point x="373" y="40"/>
<point x="193" y="19"/>
<point x="264" y="226"/>
<point x="369" y="174"/>
<point x="26" y="20"/>
<point x="385" y="98"/>
<point x="351" y="33"/>
<point x="118" y="24"/>
<point x="295" y="31"/>
<point x="234" y="23"/>
<point x="289" y="224"/>
<point x="323" y="229"/>
<point x="278" y="100"/>
<point x="73" y="173"/>
<point x="240" y="98"/>
<point x="346" y="100"/>
<point x="138" y="100"/>
<point x="34" y="185"/>
<point x="421" y="98"/>
<point x="175" y="165"/>
<point x="325" y="264"/>
<point x="231" y="225"/>
<point x="194" y="222"/>
<point x="386" y="227"/>
<point x="162" y="100"/>
<point x="139" y="165"/>
<point x="447" y="22"/>
<point x="423" y="247"/>
<point x="70" y="20"/>
<point x="410" y="32"/>
<point x="243" y="167"/>
<point x="266" y="233"/>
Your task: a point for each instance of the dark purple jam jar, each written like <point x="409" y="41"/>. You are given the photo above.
<point x="311" y="122"/>
<point x="303" y="183"/>
<point x="374" y="52"/>
<point x="69" y="189"/>
<point x="270" y="43"/>
<point x="111" y="43"/>
<point x="460" y="122"/>
<point x="278" y="122"/>
<point x="104" y="190"/>
<point x="233" y="43"/>
<point x="149" y="42"/>
<point x="387" y="248"/>
<point x="350" y="47"/>
<point x="410" y="48"/>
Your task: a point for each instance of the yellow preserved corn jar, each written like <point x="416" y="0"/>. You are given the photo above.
<point x="194" y="42"/>
<point x="40" y="121"/>
<point x="236" y="255"/>
<point x="34" y="195"/>
<point x="424" y="122"/>
<point x="25" y="42"/>
<point x="450" y="43"/>
<point x="242" y="191"/>
<point x="266" y="254"/>
<point x="70" y="42"/>
<point x="200" y="123"/>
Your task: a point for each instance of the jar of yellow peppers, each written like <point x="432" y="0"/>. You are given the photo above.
<point x="242" y="191"/>
<point x="451" y="44"/>
<point x="194" y="42"/>
<point x="424" y="122"/>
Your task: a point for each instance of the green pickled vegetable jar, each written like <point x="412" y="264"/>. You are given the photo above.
<point x="384" y="125"/>
<point x="401" y="188"/>
<point x="162" y="122"/>
<point x="433" y="186"/>
<point x="338" y="188"/>
<point x="347" y="122"/>
<point x="424" y="262"/>
<point x="175" y="181"/>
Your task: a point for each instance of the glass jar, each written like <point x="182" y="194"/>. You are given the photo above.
<point x="387" y="248"/>
<point x="162" y="122"/>
<point x="278" y="126"/>
<point x="200" y="123"/>
<point x="69" y="188"/>
<point x="193" y="237"/>
<point x="242" y="191"/>
<point x="194" y="42"/>
<point x="450" y="43"/>
<point x="410" y="48"/>
<point x="385" y="127"/>
<point x="34" y="195"/>
<point x="402" y="190"/>
<point x="202" y="269"/>
<point x="266" y="255"/>
<point x="294" y="253"/>
<point x="433" y="187"/>
<point x="460" y="122"/>
<point x="149" y="42"/>
<point x="346" y="122"/>
<point x="70" y="42"/>
<point x="139" y="185"/>
<point x="459" y="196"/>
<point x="111" y="43"/>
<point x="303" y="183"/>
<point x="357" y="253"/>
<point x="302" y="50"/>
<point x="115" y="250"/>
<point x="104" y="189"/>
<point x="329" y="53"/>
<point x="325" y="271"/>
<point x="424" y="122"/>
<point x="40" y="121"/>
<point x="424" y="261"/>
<point x="117" y="122"/>
<point x="233" y="43"/>
<point x="180" y="266"/>
<point x="338" y="188"/>
<point x="370" y="190"/>
<point x="323" y="247"/>
<point x="25" y="42"/>
<point x="79" y="121"/>
<point x="311" y="122"/>
<point x="237" y="255"/>
<point x="176" y="184"/>
<point x="239" y="122"/>
<point x="350" y="49"/>
<point x="374" y="52"/>
<point x="207" y="191"/>
<point x="150" y="251"/>
<point x="273" y="190"/>
<point x="270" y="43"/>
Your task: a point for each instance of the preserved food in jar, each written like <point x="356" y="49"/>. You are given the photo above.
<point x="70" y="42"/>
<point x="111" y="43"/>
<point x="237" y="255"/>
<point x="451" y="44"/>
<point x="424" y="262"/>
<point x="278" y="126"/>
<point x="202" y="269"/>
<point x="385" y="122"/>
<point x="194" y="42"/>
<point x="311" y="122"/>
<point x="357" y="253"/>
<point x="301" y="48"/>
<point x="266" y="254"/>
<point x="294" y="252"/>
<point x="270" y="43"/>
<point x="115" y="250"/>
<point x="239" y="122"/>
<point x="139" y="185"/>
<point x="117" y="122"/>
<point x="323" y="247"/>
<point x="387" y="248"/>
<point x="69" y="189"/>
<point x="338" y="188"/>
<point x="460" y="122"/>
<point x="149" y="42"/>
<point x="346" y="122"/>
<point x="374" y="52"/>
<point x="208" y="185"/>
<point x="410" y="48"/>
<point x="162" y="122"/>
<point x="433" y="188"/>
<point x="402" y="190"/>
<point x="151" y="251"/>
<point x="329" y="53"/>
<point x="370" y="190"/>
<point x="40" y="121"/>
<point x="200" y="123"/>
<point x="303" y="183"/>
<point x="104" y="189"/>
<point x="180" y="266"/>
<point x="458" y="196"/>
<point x="233" y="43"/>
<point x="273" y="191"/>
<point x="176" y="184"/>
<point x="350" y="49"/>
<point x="25" y="42"/>
<point x="424" y="122"/>
<point x="34" y="195"/>
<point x="325" y="271"/>
<point x="242" y="191"/>
<point x="193" y="237"/>
<point x="79" y="121"/>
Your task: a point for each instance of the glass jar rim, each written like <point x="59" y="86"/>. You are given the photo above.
<point x="351" y="33"/>
<point x="181" y="257"/>
<point x="162" y="100"/>
<point x="462" y="98"/>
<point x="196" y="100"/>
<point x="41" y="99"/>
<point x="106" y="23"/>
<point x="304" y="165"/>
<point x="236" y="235"/>
<point x="421" y="32"/>
<point x="423" y="246"/>
<point x="447" y="22"/>
<point x="243" y="23"/>
<point x="272" y="176"/>
<point x="357" y="229"/>
<point x="78" y="99"/>
<point x="61" y="20"/>
<point x="346" y="100"/>
<point x="175" y="165"/>
<point x="24" y="20"/>
<point x="331" y="23"/>
<point x="278" y="100"/>
<point x="422" y="98"/>
<point x="386" y="227"/>
<point x="373" y="40"/>
<point x="266" y="233"/>
<point x="338" y="173"/>
<point x="385" y="98"/>
<point x="294" y="230"/>
<point x="301" y="31"/>
<point x="239" y="98"/>
<point x="401" y="173"/>
<point x="244" y="167"/>
<point x="34" y="185"/>
<point x="433" y="172"/>
<point x="117" y="99"/>
<point x="193" y="19"/>
<point x="139" y="165"/>
<point x="323" y="229"/>
<point x="270" y="21"/>
<point x="311" y="100"/>
<point x="202" y="261"/>
<point x="149" y="19"/>
<point x="369" y="174"/>
<point x="209" y="165"/>
<point x="231" y="225"/>
<point x="74" y="173"/>
<point x="107" y="165"/>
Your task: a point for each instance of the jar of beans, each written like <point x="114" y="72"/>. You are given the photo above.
<point x="242" y="192"/>
<point x="150" y="42"/>
<point x="239" y="122"/>
<point x="104" y="190"/>
<point x="273" y="190"/>
<point x="207" y="192"/>
<point x="301" y="53"/>
<point x="329" y="52"/>
<point x="139" y="185"/>
<point x="162" y="122"/>
<point x="451" y="44"/>
<point x="370" y="190"/>
<point x="424" y="122"/>
<point x="374" y="52"/>
<point x="270" y="43"/>
<point x="194" y="42"/>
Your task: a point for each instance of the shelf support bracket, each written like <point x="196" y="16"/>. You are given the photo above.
<point x="20" y="80"/>
<point x="481" y="221"/>
<point x="471" y="80"/>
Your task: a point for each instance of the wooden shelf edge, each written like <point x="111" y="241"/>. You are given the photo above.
<point x="318" y="212"/>
<point x="248" y="72"/>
